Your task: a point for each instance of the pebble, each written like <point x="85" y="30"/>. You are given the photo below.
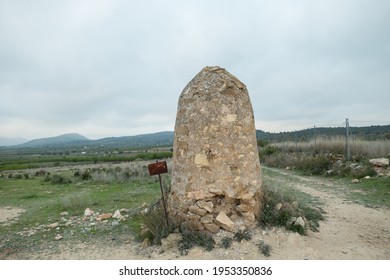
<point x="53" y="225"/>
<point x="58" y="237"/>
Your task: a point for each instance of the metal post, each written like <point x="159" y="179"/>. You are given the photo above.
<point x="163" y="199"/>
<point x="347" y="150"/>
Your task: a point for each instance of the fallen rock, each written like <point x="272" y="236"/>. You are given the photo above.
<point x="381" y="162"/>
<point x="278" y="206"/>
<point x="53" y="225"/>
<point x="88" y="212"/>
<point x="300" y="222"/>
<point x="355" y="181"/>
<point x="291" y="221"/>
<point x="58" y="237"/>
<point x="104" y="216"/>
<point x="224" y="221"/>
<point x="64" y="213"/>
<point x="207" y="205"/>
<point x="114" y="223"/>
<point x="171" y="241"/>
<point x="146" y="243"/>
<point x="197" y="210"/>
<point x="208" y="219"/>
<point x="212" y="227"/>
<point x="118" y="215"/>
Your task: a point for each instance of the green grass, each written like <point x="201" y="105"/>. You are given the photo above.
<point x="44" y="200"/>
<point x="373" y="192"/>
<point x="24" y="162"/>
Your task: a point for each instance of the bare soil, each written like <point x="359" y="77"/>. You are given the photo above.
<point x="350" y="231"/>
<point x="7" y="214"/>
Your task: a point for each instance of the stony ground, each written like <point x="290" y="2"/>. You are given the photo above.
<point x="350" y="231"/>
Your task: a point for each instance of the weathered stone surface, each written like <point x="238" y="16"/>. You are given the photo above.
<point x="381" y="162"/>
<point x="224" y="221"/>
<point x="208" y="206"/>
<point x="197" y="210"/>
<point x="215" y="164"/>
<point x="212" y="228"/>
<point x="208" y="219"/>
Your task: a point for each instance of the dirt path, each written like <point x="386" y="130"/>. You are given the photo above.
<point x="350" y="231"/>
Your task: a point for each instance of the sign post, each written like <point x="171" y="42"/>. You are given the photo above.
<point x="159" y="168"/>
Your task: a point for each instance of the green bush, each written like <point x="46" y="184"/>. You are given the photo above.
<point x="59" y="179"/>
<point x="314" y="165"/>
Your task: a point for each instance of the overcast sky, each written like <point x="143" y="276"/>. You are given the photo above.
<point x="114" y="68"/>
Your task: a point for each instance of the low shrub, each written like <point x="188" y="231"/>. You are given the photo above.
<point x="226" y="242"/>
<point x="242" y="235"/>
<point x="314" y="165"/>
<point x="278" y="210"/>
<point x="265" y="249"/>
<point x="155" y="224"/>
<point x="195" y="238"/>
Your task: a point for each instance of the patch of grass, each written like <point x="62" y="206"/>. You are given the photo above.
<point x="43" y="201"/>
<point x="226" y="242"/>
<point x="195" y="238"/>
<point x="76" y="203"/>
<point x="265" y="249"/>
<point x="242" y="235"/>
<point x="373" y="192"/>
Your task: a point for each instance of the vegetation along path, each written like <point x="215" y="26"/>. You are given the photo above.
<point x="351" y="230"/>
<point x="356" y="226"/>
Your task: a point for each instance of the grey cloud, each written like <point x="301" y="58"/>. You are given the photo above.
<point x="121" y="65"/>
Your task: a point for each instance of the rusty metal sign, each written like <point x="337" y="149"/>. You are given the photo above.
<point x="158" y="168"/>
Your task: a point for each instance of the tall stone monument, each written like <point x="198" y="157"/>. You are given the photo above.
<point x="216" y="176"/>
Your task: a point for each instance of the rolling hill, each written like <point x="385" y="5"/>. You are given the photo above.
<point x="165" y="138"/>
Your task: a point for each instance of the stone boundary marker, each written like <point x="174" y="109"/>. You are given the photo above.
<point x="216" y="175"/>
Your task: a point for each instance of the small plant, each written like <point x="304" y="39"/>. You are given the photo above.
<point x="226" y="242"/>
<point x="155" y="224"/>
<point x="242" y="234"/>
<point x="265" y="249"/>
<point x="59" y="179"/>
<point x="76" y="203"/>
<point x="86" y="175"/>
<point x="195" y="238"/>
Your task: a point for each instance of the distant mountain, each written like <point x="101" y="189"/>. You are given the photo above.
<point x="62" y="140"/>
<point x="5" y="141"/>
<point x="165" y="138"/>
<point x="74" y="140"/>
